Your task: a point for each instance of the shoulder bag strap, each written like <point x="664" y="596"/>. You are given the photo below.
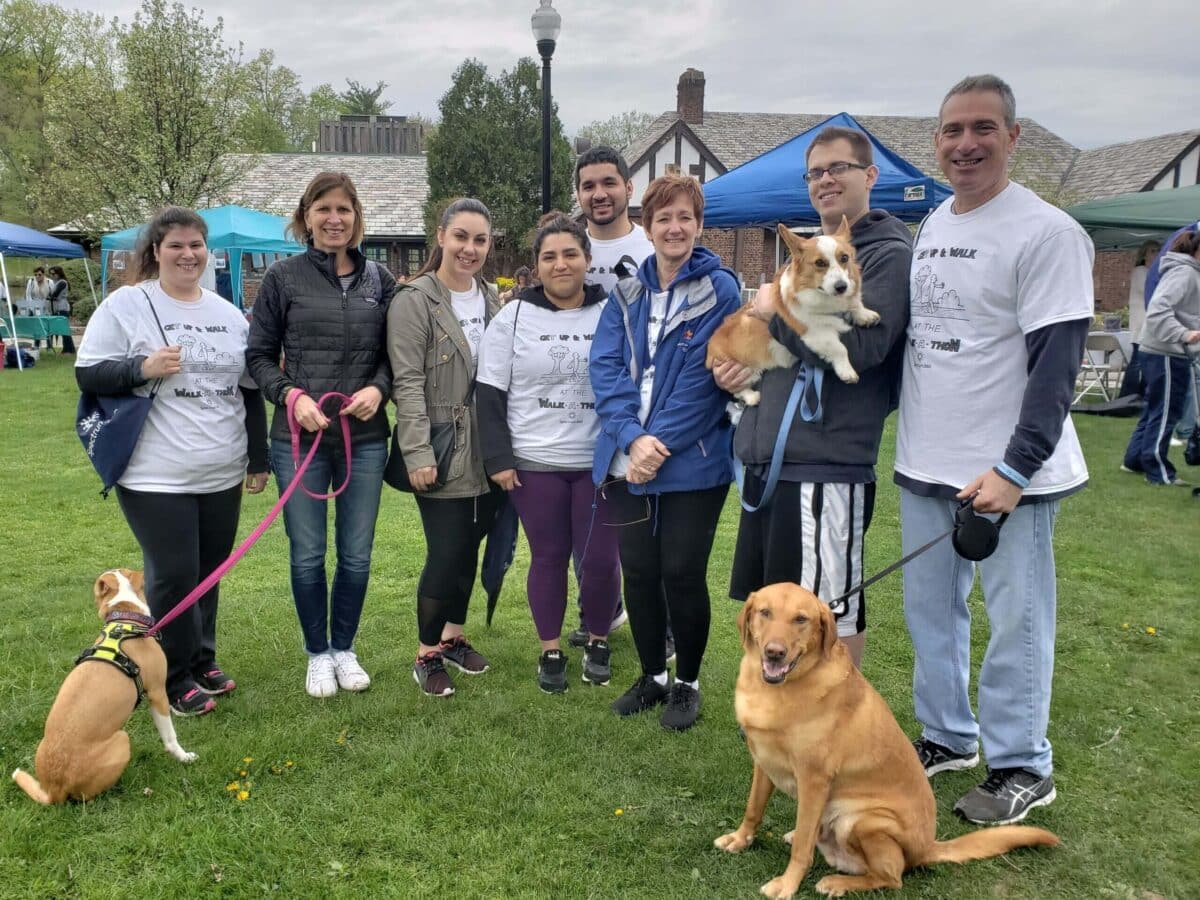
<point x="158" y="322"/>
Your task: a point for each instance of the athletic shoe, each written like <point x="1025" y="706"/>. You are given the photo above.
<point x="552" y="672"/>
<point x="621" y="618"/>
<point x="1125" y="468"/>
<point x="193" y="702"/>
<point x="321" y="680"/>
<point x="578" y="638"/>
<point x="596" y="666"/>
<point x="1174" y="482"/>
<point x="430" y="674"/>
<point x="646" y="693"/>
<point x="1006" y="796"/>
<point x="214" y="682"/>
<point x="460" y="654"/>
<point x="669" y="648"/>
<point x="350" y="675"/>
<point x="683" y="707"/>
<point x="936" y="758"/>
<point x="1177" y="442"/>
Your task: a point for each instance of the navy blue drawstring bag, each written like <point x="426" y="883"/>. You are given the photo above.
<point x="109" y="425"/>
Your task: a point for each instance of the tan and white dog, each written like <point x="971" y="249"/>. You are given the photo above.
<point x="817" y="290"/>
<point x="84" y="748"/>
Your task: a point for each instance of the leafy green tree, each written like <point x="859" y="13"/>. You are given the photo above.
<point x="274" y="103"/>
<point x="145" y="117"/>
<point x="618" y="131"/>
<point x="360" y="100"/>
<point x="488" y="145"/>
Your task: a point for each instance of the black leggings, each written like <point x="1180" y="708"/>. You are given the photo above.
<point x="183" y="538"/>
<point x="664" y="557"/>
<point x="454" y="530"/>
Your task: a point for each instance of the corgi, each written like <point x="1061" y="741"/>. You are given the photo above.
<point x="85" y="748"/>
<point x="819" y="288"/>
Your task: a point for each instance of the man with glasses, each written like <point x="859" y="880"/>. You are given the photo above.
<point x="811" y="531"/>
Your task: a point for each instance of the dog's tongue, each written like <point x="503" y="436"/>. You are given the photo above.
<point x="772" y="669"/>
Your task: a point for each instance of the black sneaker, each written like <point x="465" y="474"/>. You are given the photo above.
<point x="1006" y="796"/>
<point x="193" y="702"/>
<point x="645" y="694"/>
<point x="460" y="654"/>
<point x="596" y="667"/>
<point x="429" y="672"/>
<point x="683" y="707"/>
<point x="578" y="638"/>
<point x="214" y="682"/>
<point x="936" y="758"/>
<point x="552" y="672"/>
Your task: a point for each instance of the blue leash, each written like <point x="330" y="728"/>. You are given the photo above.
<point x="797" y="399"/>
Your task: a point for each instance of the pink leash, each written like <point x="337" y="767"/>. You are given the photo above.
<point x="301" y="467"/>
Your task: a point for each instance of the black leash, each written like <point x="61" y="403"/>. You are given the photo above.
<point x="838" y="603"/>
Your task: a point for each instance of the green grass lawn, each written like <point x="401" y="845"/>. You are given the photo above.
<point x="504" y="791"/>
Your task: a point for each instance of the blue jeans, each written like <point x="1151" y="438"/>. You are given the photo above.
<point x="330" y="618"/>
<point x="1167" y="379"/>
<point x="1018" y="665"/>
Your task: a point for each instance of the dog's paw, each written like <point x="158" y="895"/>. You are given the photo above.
<point x="734" y="842"/>
<point x="864" y="316"/>
<point x="750" y="398"/>
<point x="779" y="888"/>
<point x="787" y="838"/>
<point x="185" y="756"/>
<point x="833" y="886"/>
<point x="846" y="372"/>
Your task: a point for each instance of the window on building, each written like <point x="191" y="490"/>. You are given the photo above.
<point x="377" y="252"/>
<point x="414" y="257"/>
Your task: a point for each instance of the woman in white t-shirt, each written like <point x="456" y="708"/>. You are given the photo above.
<point x="538" y="429"/>
<point x="204" y="437"/>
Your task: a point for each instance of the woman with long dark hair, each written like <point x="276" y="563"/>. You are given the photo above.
<point x="434" y="329"/>
<point x="204" y="437"/>
<point x="323" y="311"/>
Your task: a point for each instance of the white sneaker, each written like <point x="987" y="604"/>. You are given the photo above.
<point x="621" y="619"/>
<point x="350" y="675"/>
<point x="320" y="681"/>
<point x="1177" y="442"/>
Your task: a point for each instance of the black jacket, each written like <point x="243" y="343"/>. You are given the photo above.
<point x="844" y="445"/>
<point x="330" y="339"/>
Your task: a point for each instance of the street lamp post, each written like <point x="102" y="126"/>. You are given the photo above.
<point x="547" y="23"/>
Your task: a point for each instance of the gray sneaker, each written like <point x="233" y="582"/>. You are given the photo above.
<point x="596" y="666"/>
<point x="552" y="672"/>
<point x="936" y="758"/>
<point x="1006" y="796"/>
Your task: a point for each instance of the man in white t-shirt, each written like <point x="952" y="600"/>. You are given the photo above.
<point x="603" y="190"/>
<point x="1001" y="300"/>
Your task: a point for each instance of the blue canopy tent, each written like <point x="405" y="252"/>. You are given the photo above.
<point x="17" y="240"/>
<point x="770" y="188"/>
<point x="235" y="229"/>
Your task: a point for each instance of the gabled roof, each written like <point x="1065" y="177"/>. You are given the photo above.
<point x="392" y="189"/>
<point x="1131" y="166"/>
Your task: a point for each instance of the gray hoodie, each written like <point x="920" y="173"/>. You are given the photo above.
<point x="1174" y="309"/>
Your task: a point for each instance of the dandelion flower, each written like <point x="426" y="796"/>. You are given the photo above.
<point x="1125" y="625"/>
<point x="243" y="795"/>
<point x="242" y="773"/>
<point x="618" y="812"/>
<point x="232" y="786"/>
<point x="248" y="760"/>
<point x="1150" y="629"/>
<point x="289" y="764"/>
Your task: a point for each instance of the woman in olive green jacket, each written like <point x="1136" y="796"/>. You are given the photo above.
<point x="434" y="328"/>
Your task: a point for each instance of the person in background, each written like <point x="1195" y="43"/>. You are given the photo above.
<point x="538" y="428"/>
<point x="1132" y="382"/>
<point x="520" y="283"/>
<point x="324" y="312"/>
<point x="204" y="438"/>
<point x="1170" y="349"/>
<point x="434" y="329"/>
<point x="663" y="457"/>
<point x="60" y="303"/>
<point x="37" y="294"/>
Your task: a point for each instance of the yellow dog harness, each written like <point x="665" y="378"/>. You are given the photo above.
<point x="119" y="627"/>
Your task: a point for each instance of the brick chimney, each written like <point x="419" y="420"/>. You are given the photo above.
<point x="689" y="103"/>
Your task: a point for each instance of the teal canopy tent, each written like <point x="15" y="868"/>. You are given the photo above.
<point x="1127" y="220"/>
<point x="235" y="229"/>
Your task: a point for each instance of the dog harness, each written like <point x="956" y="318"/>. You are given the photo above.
<point x="118" y="627"/>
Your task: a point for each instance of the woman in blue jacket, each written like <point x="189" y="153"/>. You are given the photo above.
<point x="663" y="456"/>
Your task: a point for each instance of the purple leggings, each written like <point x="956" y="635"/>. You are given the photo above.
<point x="556" y="511"/>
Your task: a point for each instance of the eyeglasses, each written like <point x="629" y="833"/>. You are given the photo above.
<point x="837" y="170"/>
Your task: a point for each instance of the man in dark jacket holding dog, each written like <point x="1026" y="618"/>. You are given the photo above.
<point x="812" y="529"/>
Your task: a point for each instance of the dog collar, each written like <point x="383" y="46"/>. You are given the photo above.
<point x="124" y="616"/>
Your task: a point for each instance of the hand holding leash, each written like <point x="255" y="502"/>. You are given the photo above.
<point x="364" y="403"/>
<point x="991" y="493"/>
<point x="306" y="411"/>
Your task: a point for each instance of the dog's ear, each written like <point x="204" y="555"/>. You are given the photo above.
<point x="829" y="635"/>
<point x="105" y="588"/>
<point x="843" y="231"/>
<point x="794" y="241"/>
<point x="745" y="617"/>
<point x="138" y="581"/>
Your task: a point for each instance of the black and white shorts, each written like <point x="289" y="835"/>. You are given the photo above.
<point x="810" y="534"/>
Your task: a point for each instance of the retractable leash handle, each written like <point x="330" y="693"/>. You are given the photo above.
<point x="301" y="467"/>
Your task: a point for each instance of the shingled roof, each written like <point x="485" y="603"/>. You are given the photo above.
<point x="393" y="189"/>
<point x="1122" y="168"/>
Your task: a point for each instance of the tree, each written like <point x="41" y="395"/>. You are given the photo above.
<point x="488" y="146"/>
<point x="145" y="118"/>
<point x="274" y="103"/>
<point x="619" y="131"/>
<point x="360" y="100"/>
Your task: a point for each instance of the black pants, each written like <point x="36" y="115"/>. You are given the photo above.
<point x="665" y="542"/>
<point x="454" y="530"/>
<point x="183" y="538"/>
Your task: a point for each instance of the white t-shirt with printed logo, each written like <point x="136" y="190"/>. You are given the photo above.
<point x="981" y="282"/>
<point x="617" y="258"/>
<point x="194" y="439"/>
<point x="544" y="368"/>
<point x="471" y="311"/>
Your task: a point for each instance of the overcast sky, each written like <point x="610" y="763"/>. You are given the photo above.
<point x="1095" y="73"/>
